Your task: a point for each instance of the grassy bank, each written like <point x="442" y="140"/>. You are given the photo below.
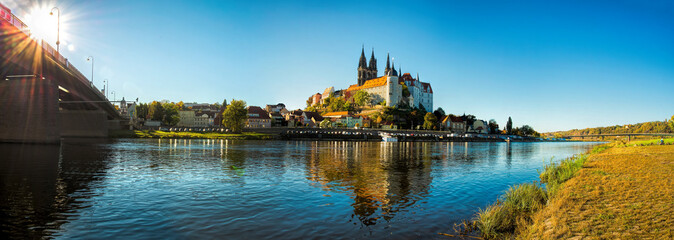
<point x="190" y="135"/>
<point x="618" y="190"/>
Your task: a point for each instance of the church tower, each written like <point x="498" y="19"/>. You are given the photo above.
<point x="372" y="67"/>
<point x="363" y="71"/>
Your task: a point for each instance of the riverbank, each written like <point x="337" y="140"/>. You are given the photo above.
<point x="619" y="190"/>
<point x="189" y="135"/>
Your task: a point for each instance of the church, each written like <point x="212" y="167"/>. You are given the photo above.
<point x="388" y="88"/>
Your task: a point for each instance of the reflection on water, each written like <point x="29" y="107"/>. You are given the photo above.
<point x="381" y="179"/>
<point x="256" y="189"/>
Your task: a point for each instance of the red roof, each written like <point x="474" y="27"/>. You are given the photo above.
<point x="261" y="113"/>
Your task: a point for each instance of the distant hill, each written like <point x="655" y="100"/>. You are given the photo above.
<point x="647" y="127"/>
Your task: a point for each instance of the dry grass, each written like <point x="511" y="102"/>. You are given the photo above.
<point x="621" y="193"/>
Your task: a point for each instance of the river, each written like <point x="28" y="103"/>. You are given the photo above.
<point x="176" y="189"/>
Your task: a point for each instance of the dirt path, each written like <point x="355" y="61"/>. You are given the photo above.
<point x="622" y="193"/>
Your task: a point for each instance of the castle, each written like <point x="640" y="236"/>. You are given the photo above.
<point x="388" y="89"/>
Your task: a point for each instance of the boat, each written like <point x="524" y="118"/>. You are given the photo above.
<point x="386" y="137"/>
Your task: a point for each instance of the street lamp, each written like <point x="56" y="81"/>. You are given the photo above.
<point x="114" y="98"/>
<point x="58" y="25"/>
<point x="90" y="58"/>
<point x="106" y="87"/>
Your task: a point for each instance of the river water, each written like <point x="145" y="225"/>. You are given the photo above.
<point x="176" y="189"/>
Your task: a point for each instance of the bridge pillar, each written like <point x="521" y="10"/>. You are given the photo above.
<point x="84" y="123"/>
<point x="29" y="110"/>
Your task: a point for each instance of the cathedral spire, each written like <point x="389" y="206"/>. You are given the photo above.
<point x="388" y="65"/>
<point x="362" y="62"/>
<point x="373" y="65"/>
<point x="400" y="71"/>
<point x="393" y="69"/>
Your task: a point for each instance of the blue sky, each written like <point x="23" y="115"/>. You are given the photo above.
<point x="554" y="65"/>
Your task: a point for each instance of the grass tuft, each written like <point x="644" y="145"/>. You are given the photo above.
<point x="554" y="174"/>
<point x="515" y="208"/>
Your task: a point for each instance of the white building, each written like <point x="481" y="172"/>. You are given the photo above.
<point x="421" y="93"/>
<point x="386" y="88"/>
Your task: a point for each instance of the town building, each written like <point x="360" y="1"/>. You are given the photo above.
<point x="258" y="118"/>
<point x="311" y="119"/>
<point x="454" y="124"/>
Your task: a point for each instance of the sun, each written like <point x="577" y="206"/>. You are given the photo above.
<point x="46" y="26"/>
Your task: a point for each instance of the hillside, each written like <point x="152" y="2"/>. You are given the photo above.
<point x="647" y="127"/>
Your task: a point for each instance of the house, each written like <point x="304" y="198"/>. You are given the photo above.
<point x="311" y="119"/>
<point x="186" y="118"/>
<point x="258" y="118"/>
<point x="349" y="121"/>
<point x="277" y="119"/>
<point x="454" y="124"/>
<point x="479" y="126"/>
<point x="275" y="108"/>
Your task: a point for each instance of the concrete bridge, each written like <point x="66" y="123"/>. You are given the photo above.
<point x="42" y="96"/>
<point x="628" y="135"/>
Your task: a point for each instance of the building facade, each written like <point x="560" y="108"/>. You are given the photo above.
<point x="258" y="118"/>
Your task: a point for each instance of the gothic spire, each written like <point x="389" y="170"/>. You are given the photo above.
<point x="400" y="71"/>
<point x="417" y="76"/>
<point x="388" y="64"/>
<point x="393" y="69"/>
<point x="373" y="64"/>
<point x="363" y="62"/>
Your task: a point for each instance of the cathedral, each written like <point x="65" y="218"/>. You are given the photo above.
<point x="388" y="89"/>
<point x="369" y="71"/>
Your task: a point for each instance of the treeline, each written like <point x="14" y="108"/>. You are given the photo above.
<point x="647" y="127"/>
<point x="165" y="112"/>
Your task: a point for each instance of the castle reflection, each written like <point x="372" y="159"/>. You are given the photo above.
<point x="382" y="178"/>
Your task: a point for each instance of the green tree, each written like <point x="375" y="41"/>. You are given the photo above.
<point x="325" y="123"/>
<point x="406" y="91"/>
<point x="234" y="117"/>
<point x="171" y="116"/>
<point x="361" y="98"/>
<point x="439" y="113"/>
<point x="142" y="110"/>
<point x="430" y="121"/>
<point x="509" y="126"/>
<point x="671" y="123"/>
<point x="493" y="126"/>
<point x="527" y="130"/>
<point x="156" y="111"/>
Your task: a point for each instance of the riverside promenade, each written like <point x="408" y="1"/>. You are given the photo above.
<point x="404" y="135"/>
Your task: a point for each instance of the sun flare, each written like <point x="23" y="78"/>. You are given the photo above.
<point x="46" y="26"/>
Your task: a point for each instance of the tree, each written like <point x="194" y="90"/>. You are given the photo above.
<point x="406" y="91"/>
<point x="430" y="121"/>
<point x="156" y="111"/>
<point x="527" y="130"/>
<point x="171" y="116"/>
<point x="234" y="117"/>
<point x="142" y="110"/>
<point x="671" y="123"/>
<point x="180" y="105"/>
<point x="493" y="126"/>
<point x="361" y="98"/>
<point x="325" y="123"/>
<point x="439" y="113"/>
<point x="509" y="126"/>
